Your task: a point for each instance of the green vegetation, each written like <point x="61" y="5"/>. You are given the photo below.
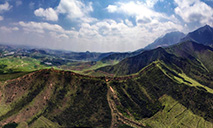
<point x="175" y="115"/>
<point x="17" y="64"/>
<point x="63" y="98"/>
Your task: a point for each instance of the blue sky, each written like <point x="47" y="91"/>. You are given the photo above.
<point x="98" y="25"/>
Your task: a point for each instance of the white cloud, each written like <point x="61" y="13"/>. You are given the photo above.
<point x="142" y="11"/>
<point x="194" y="11"/>
<point x="5" y="7"/>
<point x="48" y="14"/>
<point x="112" y="8"/>
<point x="76" y="10"/>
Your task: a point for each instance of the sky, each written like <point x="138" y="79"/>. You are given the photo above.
<point x="98" y="25"/>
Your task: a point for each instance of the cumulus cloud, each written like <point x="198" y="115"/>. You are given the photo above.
<point x="142" y="11"/>
<point x="194" y="11"/>
<point x="76" y="10"/>
<point x="49" y="14"/>
<point x="112" y="8"/>
<point x="5" y="7"/>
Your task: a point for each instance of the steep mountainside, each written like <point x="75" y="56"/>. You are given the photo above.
<point x="136" y="63"/>
<point x="191" y="49"/>
<point x="63" y="97"/>
<point x="203" y="35"/>
<point x="52" y="98"/>
<point x="199" y="52"/>
<point x="166" y="40"/>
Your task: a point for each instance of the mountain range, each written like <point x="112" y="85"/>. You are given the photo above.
<point x="167" y="84"/>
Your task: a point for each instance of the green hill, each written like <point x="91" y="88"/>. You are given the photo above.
<point x="52" y="98"/>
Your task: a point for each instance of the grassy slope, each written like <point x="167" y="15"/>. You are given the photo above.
<point x="13" y="67"/>
<point x="24" y="64"/>
<point x="175" y="114"/>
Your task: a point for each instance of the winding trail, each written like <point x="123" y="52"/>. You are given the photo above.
<point x="118" y="117"/>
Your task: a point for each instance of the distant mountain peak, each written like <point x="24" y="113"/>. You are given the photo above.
<point x="167" y="40"/>
<point x="207" y="26"/>
<point x="203" y="35"/>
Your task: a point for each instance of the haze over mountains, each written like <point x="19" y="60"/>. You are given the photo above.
<point x="167" y="40"/>
<point x="204" y="37"/>
<point x="154" y="87"/>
